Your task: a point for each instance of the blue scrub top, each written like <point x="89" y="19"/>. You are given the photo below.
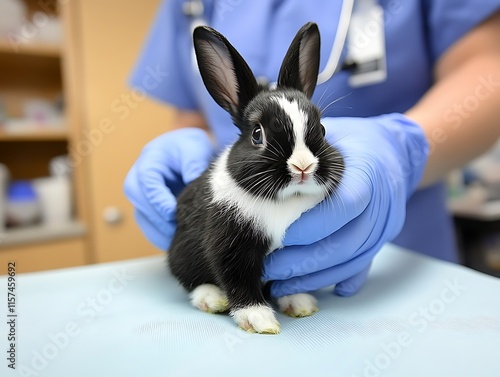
<point x="417" y="33"/>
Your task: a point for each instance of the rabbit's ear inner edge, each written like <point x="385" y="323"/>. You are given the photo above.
<point x="300" y="66"/>
<point x="225" y="73"/>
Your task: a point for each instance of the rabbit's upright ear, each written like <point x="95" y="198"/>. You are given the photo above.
<point x="301" y="64"/>
<point x="227" y="76"/>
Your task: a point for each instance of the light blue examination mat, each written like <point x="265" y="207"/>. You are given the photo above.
<point x="414" y="317"/>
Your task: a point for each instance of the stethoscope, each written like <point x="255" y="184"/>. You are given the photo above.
<point x="194" y="9"/>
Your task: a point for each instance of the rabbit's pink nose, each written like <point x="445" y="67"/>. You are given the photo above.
<point x="302" y="168"/>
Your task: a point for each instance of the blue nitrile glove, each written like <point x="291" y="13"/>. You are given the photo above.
<point x="166" y="165"/>
<point x="335" y="242"/>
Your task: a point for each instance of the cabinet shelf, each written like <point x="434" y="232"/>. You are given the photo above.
<point x="34" y="135"/>
<point x="31" y="49"/>
<point x="40" y="233"/>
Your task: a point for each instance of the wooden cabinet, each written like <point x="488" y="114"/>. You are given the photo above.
<point x="31" y="69"/>
<point x="102" y="40"/>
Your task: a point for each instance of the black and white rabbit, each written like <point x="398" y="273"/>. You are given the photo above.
<point x="237" y="212"/>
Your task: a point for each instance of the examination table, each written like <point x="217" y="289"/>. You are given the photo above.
<point x="415" y="316"/>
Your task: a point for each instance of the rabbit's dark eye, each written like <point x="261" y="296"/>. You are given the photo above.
<point x="258" y="135"/>
<point x="323" y="130"/>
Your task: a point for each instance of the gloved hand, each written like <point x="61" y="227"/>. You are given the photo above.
<point x="166" y="165"/>
<point x="335" y="242"/>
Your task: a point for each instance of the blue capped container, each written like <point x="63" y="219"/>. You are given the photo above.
<point x="22" y="204"/>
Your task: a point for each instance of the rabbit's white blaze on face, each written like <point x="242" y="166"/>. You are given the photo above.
<point x="302" y="163"/>
<point x="298" y="118"/>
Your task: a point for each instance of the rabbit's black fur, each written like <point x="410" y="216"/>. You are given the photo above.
<point x="238" y="210"/>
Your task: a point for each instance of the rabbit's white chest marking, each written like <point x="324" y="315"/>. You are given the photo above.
<point x="269" y="216"/>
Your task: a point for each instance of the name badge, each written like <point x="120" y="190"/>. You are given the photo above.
<point x="366" y="58"/>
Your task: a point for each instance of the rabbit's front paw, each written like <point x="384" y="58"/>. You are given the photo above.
<point x="257" y="318"/>
<point x="298" y="305"/>
<point x="209" y="298"/>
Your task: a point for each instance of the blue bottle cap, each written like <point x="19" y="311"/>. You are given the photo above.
<point x="21" y="191"/>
